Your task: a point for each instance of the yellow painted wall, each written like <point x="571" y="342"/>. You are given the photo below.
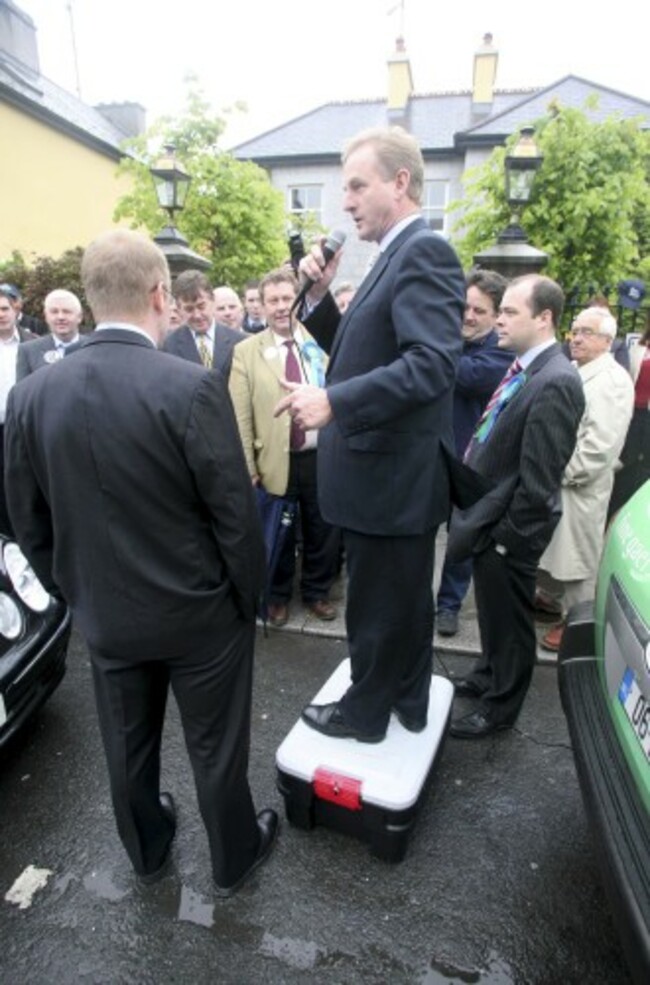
<point x="55" y="193"/>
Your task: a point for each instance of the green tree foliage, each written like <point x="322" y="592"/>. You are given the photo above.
<point x="590" y="206"/>
<point x="233" y="216"/>
<point x="44" y="275"/>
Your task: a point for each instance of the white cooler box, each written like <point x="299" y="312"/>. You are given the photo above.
<point x="371" y="790"/>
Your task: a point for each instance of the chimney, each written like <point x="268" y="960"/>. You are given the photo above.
<point x="485" y="73"/>
<point x="18" y="38"/>
<point x="127" y="117"/>
<point x="400" y="84"/>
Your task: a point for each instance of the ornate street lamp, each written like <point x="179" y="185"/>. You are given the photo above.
<point x="172" y="185"/>
<point x="522" y="164"/>
<point x="512" y="254"/>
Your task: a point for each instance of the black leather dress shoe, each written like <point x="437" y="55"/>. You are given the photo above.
<point x="410" y="724"/>
<point x="475" y="726"/>
<point x="329" y="720"/>
<point x="169" y="810"/>
<point x="465" y="688"/>
<point x="268" y="823"/>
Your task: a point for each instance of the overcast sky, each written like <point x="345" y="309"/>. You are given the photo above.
<point x="285" y="57"/>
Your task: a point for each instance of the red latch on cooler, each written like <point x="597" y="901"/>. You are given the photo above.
<point x="338" y="789"/>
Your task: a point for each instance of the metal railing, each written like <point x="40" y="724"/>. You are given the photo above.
<point x="628" y="320"/>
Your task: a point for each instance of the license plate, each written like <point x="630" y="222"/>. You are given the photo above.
<point x="637" y="709"/>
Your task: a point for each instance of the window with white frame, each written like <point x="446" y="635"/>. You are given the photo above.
<point x="305" y="201"/>
<point x="434" y="200"/>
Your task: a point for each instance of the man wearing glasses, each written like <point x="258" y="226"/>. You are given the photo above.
<point x="201" y="338"/>
<point x="569" y="564"/>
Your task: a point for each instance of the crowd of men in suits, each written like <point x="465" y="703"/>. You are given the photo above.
<point x="424" y="397"/>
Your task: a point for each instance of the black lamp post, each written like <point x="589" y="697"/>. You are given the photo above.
<point x="512" y="254"/>
<point x="172" y="185"/>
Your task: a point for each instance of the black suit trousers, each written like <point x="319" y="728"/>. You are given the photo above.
<point x="320" y="541"/>
<point x="213" y="693"/>
<point x="389" y="620"/>
<point x="505" y="589"/>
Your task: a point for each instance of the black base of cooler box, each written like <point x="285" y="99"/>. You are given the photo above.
<point x="326" y="787"/>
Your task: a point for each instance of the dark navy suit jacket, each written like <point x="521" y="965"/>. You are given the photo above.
<point x="524" y="458"/>
<point x="390" y="379"/>
<point x="126" y="505"/>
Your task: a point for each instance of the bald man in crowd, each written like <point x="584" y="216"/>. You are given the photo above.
<point x="228" y="309"/>
<point x="63" y="315"/>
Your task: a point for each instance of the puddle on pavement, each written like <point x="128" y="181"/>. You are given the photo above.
<point x="297" y="954"/>
<point x="496" y="972"/>
<point x="101" y="884"/>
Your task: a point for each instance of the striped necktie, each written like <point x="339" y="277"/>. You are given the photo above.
<point x="506" y="389"/>
<point x="204" y="351"/>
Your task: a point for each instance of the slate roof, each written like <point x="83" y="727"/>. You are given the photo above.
<point x="440" y="121"/>
<point x="569" y="91"/>
<point x="43" y="99"/>
<point x="433" y="119"/>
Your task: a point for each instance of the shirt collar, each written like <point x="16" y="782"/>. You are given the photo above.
<point x="526" y="359"/>
<point x="60" y="344"/>
<point x="395" y="230"/>
<point x="124" y="326"/>
<point x="13" y="339"/>
<point x="204" y="335"/>
<point x="297" y="337"/>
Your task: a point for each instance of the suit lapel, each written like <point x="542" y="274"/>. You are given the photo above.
<point x="540" y="361"/>
<point x="268" y="353"/>
<point x="371" y="278"/>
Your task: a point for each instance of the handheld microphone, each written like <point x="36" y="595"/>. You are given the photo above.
<point x="296" y="249"/>
<point x="334" y="242"/>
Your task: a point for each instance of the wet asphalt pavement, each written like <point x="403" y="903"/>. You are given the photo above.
<point x="500" y="883"/>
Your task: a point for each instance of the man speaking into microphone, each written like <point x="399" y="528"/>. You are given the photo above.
<point x="384" y="413"/>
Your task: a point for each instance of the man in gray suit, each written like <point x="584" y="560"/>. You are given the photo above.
<point x="63" y="315"/>
<point x="521" y="444"/>
<point x="201" y="339"/>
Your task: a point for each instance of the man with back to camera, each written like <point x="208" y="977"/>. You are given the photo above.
<point x="153" y="539"/>
<point x="201" y="338"/>
<point x="569" y="565"/>
<point x="481" y="367"/>
<point x="63" y="316"/>
<point x="385" y="412"/>
<point x="522" y="443"/>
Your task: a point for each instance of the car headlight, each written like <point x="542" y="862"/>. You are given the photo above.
<point x="25" y="583"/>
<point x="11" y="621"/>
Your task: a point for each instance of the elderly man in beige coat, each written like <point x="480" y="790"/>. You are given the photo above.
<point x="280" y="455"/>
<point x="568" y="567"/>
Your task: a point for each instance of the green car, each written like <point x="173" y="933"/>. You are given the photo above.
<point x="604" y="676"/>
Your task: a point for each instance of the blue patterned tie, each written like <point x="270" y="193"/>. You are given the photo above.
<point x="506" y="389"/>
